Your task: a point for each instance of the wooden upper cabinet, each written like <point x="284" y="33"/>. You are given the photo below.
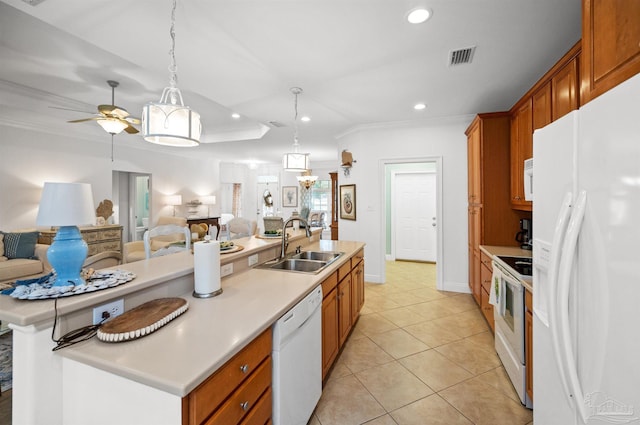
<point x="542" y="106"/>
<point x="474" y="151"/>
<point x="521" y="149"/>
<point x="564" y="86"/>
<point x="610" y="45"/>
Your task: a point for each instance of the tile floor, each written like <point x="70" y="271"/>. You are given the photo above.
<point x="418" y="356"/>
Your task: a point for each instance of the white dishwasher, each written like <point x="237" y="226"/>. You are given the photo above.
<point x="297" y="361"/>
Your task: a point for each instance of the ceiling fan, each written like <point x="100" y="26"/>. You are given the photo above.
<point x="113" y="119"/>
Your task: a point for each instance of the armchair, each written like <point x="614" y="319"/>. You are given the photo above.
<point x="135" y="251"/>
<point x="241" y="227"/>
<point x="159" y="240"/>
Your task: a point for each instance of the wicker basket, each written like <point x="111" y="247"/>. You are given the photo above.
<point x="272" y="223"/>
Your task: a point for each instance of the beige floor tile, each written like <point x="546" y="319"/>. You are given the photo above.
<point x="377" y="303"/>
<point x="346" y="401"/>
<point x="484" y="405"/>
<point x="459" y="303"/>
<point x="484" y="340"/>
<point x="373" y="324"/>
<point x="404" y="298"/>
<point x="466" y="326"/>
<point x="470" y="356"/>
<point x="393" y="386"/>
<point x="361" y="354"/>
<point x="314" y="420"/>
<point x="427" y="294"/>
<point x="499" y="380"/>
<point x="382" y="420"/>
<point x="402" y="316"/>
<point x="399" y="343"/>
<point x="339" y="369"/>
<point x="431" y="310"/>
<point x="432" y="334"/>
<point x="435" y="370"/>
<point x="432" y="410"/>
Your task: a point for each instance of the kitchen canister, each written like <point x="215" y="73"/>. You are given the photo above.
<point x="206" y="268"/>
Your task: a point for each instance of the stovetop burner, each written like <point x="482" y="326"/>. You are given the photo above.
<point x="522" y="265"/>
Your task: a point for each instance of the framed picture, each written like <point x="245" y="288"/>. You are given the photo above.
<point x="348" y="202"/>
<point x="289" y="196"/>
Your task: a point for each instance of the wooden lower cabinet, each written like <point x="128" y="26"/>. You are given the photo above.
<point x="486" y="275"/>
<point x="343" y="298"/>
<point x="528" y="347"/>
<point x="239" y="392"/>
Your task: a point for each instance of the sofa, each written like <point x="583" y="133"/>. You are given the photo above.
<point x="21" y="257"/>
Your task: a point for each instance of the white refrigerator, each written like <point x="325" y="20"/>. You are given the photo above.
<point x="586" y="256"/>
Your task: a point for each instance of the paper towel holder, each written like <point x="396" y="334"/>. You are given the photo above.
<point x="207" y="239"/>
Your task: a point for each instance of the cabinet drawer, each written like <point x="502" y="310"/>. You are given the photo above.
<point x="107" y="246"/>
<point x="486" y="260"/>
<point x="90" y="236"/>
<point x="208" y="395"/>
<point x="261" y="412"/>
<point x="355" y="260"/>
<point x="329" y="283"/>
<point x="344" y="271"/>
<point x="104" y="235"/>
<point x="487" y="309"/>
<point x="486" y="275"/>
<point x="244" y="399"/>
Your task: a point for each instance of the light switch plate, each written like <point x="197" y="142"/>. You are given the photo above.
<point x="226" y="270"/>
<point x="253" y="260"/>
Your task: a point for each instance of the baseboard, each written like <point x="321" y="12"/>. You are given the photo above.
<point x="462" y="287"/>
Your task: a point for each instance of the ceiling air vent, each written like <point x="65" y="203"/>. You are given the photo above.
<point x="460" y="56"/>
<point x="276" y="124"/>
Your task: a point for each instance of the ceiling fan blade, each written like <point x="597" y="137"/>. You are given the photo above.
<point x="113" y="110"/>
<point x="85" y="119"/>
<point x="131" y="129"/>
<point x="71" y="109"/>
<point x="132" y="120"/>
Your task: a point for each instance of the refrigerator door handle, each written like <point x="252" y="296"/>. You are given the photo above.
<point x="556" y="253"/>
<point x="564" y="285"/>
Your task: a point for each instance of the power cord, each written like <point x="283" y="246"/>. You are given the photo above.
<point x="78" y="335"/>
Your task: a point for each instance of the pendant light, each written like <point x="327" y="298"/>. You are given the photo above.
<point x="296" y="161"/>
<point x="169" y="122"/>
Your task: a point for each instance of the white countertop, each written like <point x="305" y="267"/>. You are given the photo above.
<point x="183" y="353"/>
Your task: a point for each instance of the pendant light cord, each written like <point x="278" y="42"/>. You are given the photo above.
<point x="173" y="68"/>
<point x="295" y="91"/>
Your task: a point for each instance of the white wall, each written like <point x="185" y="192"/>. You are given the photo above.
<point x="375" y="145"/>
<point x="29" y="158"/>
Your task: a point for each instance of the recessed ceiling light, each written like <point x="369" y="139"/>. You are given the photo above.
<point x="235" y="115"/>
<point x="419" y="106"/>
<point x="418" y="16"/>
<point x="305" y="119"/>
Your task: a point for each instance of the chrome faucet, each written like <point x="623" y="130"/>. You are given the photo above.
<point x="285" y="237"/>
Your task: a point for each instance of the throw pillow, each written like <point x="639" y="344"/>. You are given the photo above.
<point x="1" y="244"/>
<point x="20" y="245"/>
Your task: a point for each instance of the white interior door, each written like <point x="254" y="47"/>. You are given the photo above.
<point x="414" y="216"/>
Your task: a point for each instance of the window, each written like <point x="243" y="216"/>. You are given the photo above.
<point x="321" y="196"/>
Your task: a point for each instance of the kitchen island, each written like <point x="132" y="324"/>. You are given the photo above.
<point x="146" y="380"/>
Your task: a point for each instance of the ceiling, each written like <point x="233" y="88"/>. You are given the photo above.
<point x="359" y="63"/>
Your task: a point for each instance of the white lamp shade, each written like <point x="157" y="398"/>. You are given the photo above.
<point x="112" y="125"/>
<point x="296" y="162"/>
<point x="171" y="125"/>
<point x="208" y="200"/>
<point x="173" y="200"/>
<point x="66" y="204"/>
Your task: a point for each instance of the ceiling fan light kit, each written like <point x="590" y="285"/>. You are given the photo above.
<point x="295" y="161"/>
<point x="168" y="122"/>
<point x="112" y="125"/>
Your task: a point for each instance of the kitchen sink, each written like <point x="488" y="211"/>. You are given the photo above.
<point x="304" y="262"/>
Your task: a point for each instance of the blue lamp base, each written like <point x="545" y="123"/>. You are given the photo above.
<point x="66" y="255"/>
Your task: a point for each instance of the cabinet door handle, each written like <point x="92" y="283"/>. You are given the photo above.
<point x="244" y="368"/>
<point x="244" y="405"/>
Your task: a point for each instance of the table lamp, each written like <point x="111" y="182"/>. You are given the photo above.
<point x="67" y="206"/>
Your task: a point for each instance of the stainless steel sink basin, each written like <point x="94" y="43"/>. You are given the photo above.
<point x="317" y="255"/>
<point x="303" y="262"/>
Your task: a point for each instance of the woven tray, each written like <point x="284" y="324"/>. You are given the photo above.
<point x="142" y="320"/>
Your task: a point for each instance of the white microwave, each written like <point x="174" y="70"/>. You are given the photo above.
<point x="528" y="179"/>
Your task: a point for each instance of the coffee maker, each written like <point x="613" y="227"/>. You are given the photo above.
<point x="524" y="236"/>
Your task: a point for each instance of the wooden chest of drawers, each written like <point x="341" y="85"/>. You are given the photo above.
<point x="98" y="238"/>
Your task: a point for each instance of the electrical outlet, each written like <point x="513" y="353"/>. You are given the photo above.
<point x="253" y="260"/>
<point x="226" y="270"/>
<point x="114" y="308"/>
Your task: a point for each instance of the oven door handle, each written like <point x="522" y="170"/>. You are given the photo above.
<point x="564" y="285"/>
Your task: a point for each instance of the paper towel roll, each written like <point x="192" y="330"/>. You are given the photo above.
<point x="206" y="269"/>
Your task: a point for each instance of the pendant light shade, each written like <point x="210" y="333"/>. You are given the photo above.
<point x="295" y="161"/>
<point x="168" y="122"/>
<point x="112" y="125"/>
